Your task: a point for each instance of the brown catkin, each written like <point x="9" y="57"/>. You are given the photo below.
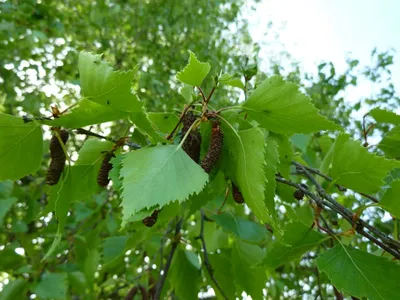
<point x="57" y="156"/>
<point x="215" y="148"/>
<point x="192" y="143"/>
<point x="106" y="166"/>
<point x="236" y="194"/>
<point x="298" y="194"/>
<point x="151" y="220"/>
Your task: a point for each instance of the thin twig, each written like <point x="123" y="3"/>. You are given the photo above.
<point x="317" y="172"/>
<point x="91" y="133"/>
<point x="202" y="94"/>
<point x="386" y="242"/>
<point x="207" y="263"/>
<point x="344" y="211"/>
<point x="174" y="245"/>
<point x="180" y="121"/>
<point x="211" y="93"/>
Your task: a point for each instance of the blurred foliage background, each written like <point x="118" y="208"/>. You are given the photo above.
<point x="39" y="46"/>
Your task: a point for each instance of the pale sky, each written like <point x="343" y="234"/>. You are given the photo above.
<point x="318" y="30"/>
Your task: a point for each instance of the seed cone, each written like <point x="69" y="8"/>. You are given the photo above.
<point x="236" y="194"/>
<point x="193" y="142"/>
<point x="214" y="151"/>
<point x="298" y="194"/>
<point x="57" y="156"/>
<point x="106" y="166"/>
<point x="151" y="220"/>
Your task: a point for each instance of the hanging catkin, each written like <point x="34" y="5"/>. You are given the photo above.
<point x="215" y="148"/>
<point x="57" y="156"/>
<point x="151" y="220"/>
<point x="106" y="166"/>
<point x="236" y="194"/>
<point x="192" y="143"/>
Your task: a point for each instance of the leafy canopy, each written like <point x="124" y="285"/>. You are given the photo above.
<point x="163" y="220"/>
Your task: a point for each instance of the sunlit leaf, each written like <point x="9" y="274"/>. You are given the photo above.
<point x="245" y="166"/>
<point x="21" y="147"/>
<point x="194" y="72"/>
<point x="280" y="107"/>
<point x="385" y="116"/>
<point x="101" y="84"/>
<point x="354" y="167"/>
<point x="390" y="143"/>
<point x="158" y="175"/>
<point x="87" y="113"/>
<point x="390" y="200"/>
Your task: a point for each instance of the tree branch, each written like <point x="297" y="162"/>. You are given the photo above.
<point x="91" y="133"/>
<point x="317" y="172"/>
<point x="350" y="216"/>
<point x="207" y="263"/>
<point x="174" y="245"/>
<point x="326" y="201"/>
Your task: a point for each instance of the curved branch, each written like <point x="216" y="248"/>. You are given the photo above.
<point x="167" y="266"/>
<point x="207" y="263"/>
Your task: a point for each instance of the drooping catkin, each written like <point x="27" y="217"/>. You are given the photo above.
<point x="237" y="194"/>
<point x="215" y="148"/>
<point x="106" y="166"/>
<point x="192" y="143"/>
<point x="152" y="219"/>
<point x="57" y="158"/>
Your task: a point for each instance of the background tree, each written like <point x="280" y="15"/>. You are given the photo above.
<point x="66" y="241"/>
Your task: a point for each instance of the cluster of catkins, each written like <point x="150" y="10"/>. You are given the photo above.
<point x="192" y="148"/>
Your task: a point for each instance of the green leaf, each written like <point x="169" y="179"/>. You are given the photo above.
<point x="235" y="82"/>
<point x="100" y="84"/>
<point x="194" y="72"/>
<point x="301" y="141"/>
<point x="245" y="166"/>
<point x="298" y="239"/>
<point x="87" y="113"/>
<point x="360" y="274"/>
<point x="285" y="152"/>
<point x="355" y="168"/>
<point x="270" y="169"/>
<point x="252" y="280"/>
<point x="16" y="289"/>
<point x="5" y="205"/>
<point x="52" y="286"/>
<point x="244" y="229"/>
<point x="183" y="270"/>
<point x="390" y="143"/>
<point x="21" y="147"/>
<point x="114" y="174"/>
<point x="145" y="126"/>
<point x="165" y="121"/>
<point x="385" y="116"/>
<point x="77" y="183"/>
<point x="113" y="247"/>
<point x="390" y="200"/>
<point x="222" y="266"/>
<point x="186" y="92"/>
<point x="158" y="175"/>
<point x="279" y="106"/>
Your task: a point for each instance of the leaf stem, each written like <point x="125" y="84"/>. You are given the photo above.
<point x="194" y="125"/>
<point x="180" y="119"/>
<point x="229" y="108"/>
